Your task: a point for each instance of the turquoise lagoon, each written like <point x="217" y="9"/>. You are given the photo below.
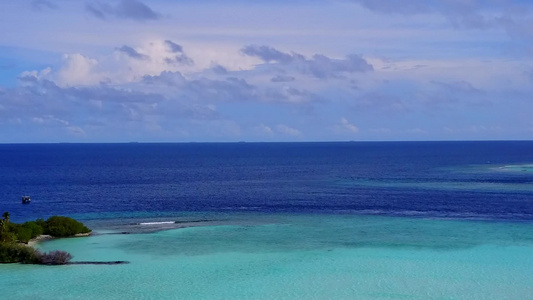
<point x="287" y="256"/>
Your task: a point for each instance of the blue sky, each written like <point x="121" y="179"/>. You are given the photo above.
<point x="217" y="71"/>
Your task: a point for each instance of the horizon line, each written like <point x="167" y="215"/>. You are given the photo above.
<point x="266" y="142"/>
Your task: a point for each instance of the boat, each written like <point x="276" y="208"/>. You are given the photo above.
<point x="26" y="199"/>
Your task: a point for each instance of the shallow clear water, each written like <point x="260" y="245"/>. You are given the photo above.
<point x="291" y="257"/>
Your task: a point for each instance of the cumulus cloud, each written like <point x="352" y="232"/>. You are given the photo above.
<point x="173" y="46"/>
<point x="286" y="130"/>
<point x="90" y="94"/>
<point x="269" y="54"/>
<point x="263" y="130"/>
<point x="144" y="70"/>
<point x="165" y="63"/>
<point x="228" y="90"/>
<point x="79" y="70"/>
<point x="319" y="66"/>
<point x="219" y="70"/>
<point x="181" y="59"/>
<point x="156" y="102"/>
<point x="156" y="96"/>
<point x="125" y="64"/>
<point x="129" y="51"/>
<point x="322" y="66"/>
<point x="90" y="110"/>
<point x="35" y="75"/>
<point x="349" y="126"/>
<point x="178" y="56"/>
<point x="125" y="9"/>
<point x="166" y="78"/>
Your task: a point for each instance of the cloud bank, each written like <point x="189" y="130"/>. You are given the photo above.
<point x="183" y="71"/>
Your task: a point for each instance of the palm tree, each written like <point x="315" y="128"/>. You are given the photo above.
<point x="6" y="217"/>
<point x="3" y="223"/>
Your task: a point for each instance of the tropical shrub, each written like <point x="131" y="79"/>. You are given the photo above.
<point x="8" y="237"/>
<point x="59" y="226"/>
<point x="23" y="234"/>
<point x="55" y="258"/>
<point x="15" y="253"/>
<point x="35" y="228"/>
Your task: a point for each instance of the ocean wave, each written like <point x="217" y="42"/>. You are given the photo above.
<point x="157" y="223"/>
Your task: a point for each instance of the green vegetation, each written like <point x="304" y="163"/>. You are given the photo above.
<point x="13" y="238"/>
<point x="24" y="232"/>
<point x="17" y="253"/>
<point x="58" y="226"/>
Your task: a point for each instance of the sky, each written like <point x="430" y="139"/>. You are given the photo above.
<point x="265" y="71"/>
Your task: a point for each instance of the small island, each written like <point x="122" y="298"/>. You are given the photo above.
<point x="15" y="239"/>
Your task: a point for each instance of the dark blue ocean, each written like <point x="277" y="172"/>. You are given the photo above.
<point x="457" y="180"/>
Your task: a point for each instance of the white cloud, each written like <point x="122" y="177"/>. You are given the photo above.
<point x="319" y="65"/>
<point x="50" y="120"/>
<point x="286" y="130"/>
<point x="36" y="74"/>
<point x="38" y="120"/>
<point x="349" y="126"/>
<point x="79" y="70"/>
<point x="75" y="130"/>
<point x="262" y="130"/>
<point x="128" y="64"/>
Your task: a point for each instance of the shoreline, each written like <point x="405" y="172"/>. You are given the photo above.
<point x="46" y="237"/>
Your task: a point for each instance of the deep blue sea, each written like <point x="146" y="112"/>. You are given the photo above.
<point x="479" y="180"/>
<point x="354" y="220"/>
